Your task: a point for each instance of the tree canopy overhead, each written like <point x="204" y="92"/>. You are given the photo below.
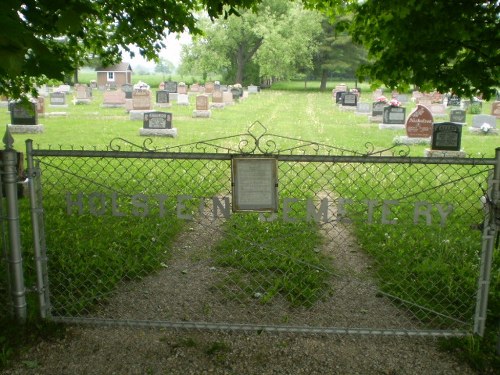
<point x="448" y="45"/>
<point x="51" y="38"/>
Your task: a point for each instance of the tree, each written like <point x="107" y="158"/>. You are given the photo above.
<point x="448" y="45"/>
<point x="164" y="66"/>
<point x="42" y="39"/>
<point x="337" y="53"/>
<point x="275" y="40"/>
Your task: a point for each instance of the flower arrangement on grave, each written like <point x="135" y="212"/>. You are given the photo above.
<point x="237" y="86"/>
<point x="485" y="127"/>
<point x="382" y="99"/>
<point x="394" y="103"/>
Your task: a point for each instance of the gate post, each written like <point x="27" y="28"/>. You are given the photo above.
<point x="15" y="260"/>
<point x="490" y="230"/>
<point x="37" y="230"/>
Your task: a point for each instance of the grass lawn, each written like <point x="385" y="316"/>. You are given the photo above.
<point x="299" y="114"/>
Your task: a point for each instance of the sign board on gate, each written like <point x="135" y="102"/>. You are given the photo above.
<point x="255" y="184"/>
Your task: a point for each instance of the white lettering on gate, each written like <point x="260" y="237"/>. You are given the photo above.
<point x="142" y="205"/>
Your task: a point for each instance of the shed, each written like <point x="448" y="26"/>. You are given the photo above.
<point x="116" y="75"/>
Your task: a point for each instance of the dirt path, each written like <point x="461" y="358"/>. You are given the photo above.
<point x="183" y="291"/>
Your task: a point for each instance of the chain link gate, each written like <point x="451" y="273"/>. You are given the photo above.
<point x="374" y="242"/>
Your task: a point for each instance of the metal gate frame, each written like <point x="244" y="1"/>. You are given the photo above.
<point x="490" y="229"/>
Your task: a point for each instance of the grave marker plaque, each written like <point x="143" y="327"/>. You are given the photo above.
<point x="378" y="108"/>
<point x="157" y="120"/>
<point x="458" y="115"/>
<point x="23" y="114"/>
<point x="446" y="136"/>
<point x="454" y="101"/>
<point x="171" y="87"/>
<point x="57" y="98"/>
<point x="394" y="115"/>
<point x="162" y="97"/>
<point x="349" y="99"/>
<point x="363" y="108"/>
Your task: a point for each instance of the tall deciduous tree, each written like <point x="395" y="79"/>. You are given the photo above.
<point x="47" y="38"/>
<point x="274" y="41"/>
<point x="337" y="53"/>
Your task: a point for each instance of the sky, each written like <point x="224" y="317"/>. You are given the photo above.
<point x="172" y="52"/>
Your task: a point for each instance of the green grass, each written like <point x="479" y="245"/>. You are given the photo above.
<point x="407" y="258"/>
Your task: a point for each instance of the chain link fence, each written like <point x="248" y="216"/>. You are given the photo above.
<point x="361" y="243"/>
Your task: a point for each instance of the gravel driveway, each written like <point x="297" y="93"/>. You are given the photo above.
<point x="123" y="351"/>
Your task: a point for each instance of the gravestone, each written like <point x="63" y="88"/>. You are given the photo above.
<point x="349" y="101"/>
<point x="377" y="94"/>
<point x="40" y="106"/>
<point x="338" y="96"/>
<point x="416" y="95"/>
<point x="454" y="101"/>
<point x="182" y="88"/>
<point x="446" y="136"/>
<point x="495" y="109"/>
<point x="202" y="106"/>
<point x="377" y="111"/>
<point x="252" y="89"/>
<point x="141" y="100"/>
<point x="393" y="118"/>
<point x="209" y="87"/>
<point x="128" y="89"/>
<point x="182" y="99"/>
<point x="170" y="87"/>
<point x="64" y="88"/>
<point x="438" y="110"/>
<point x="163" y="98"/>
<point x="227" y="98"/>
<point x="217" y="100"/>
<point x="402" y="98"/>
<point x="419" y="123"/>
<point x="58" y="99"/>
<point x="141" y="104"/>
<point x="484" y="124"/>
<point x="363" y="109"/>
<point x="425" y="100"/>
<point x="194" y="88"/>
<point x="24" y="118"/>
<point x="158" y="124"/>
<point x="418" y="127"/>
<point x="458" y="116"/>
<point x="236" y="93"/>
<point x="113" y="99"/>
<point x="437" y="97"/>
<point x="83" y="94"/>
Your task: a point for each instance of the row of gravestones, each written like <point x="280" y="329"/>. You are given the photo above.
<point x="349" y="100"/>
